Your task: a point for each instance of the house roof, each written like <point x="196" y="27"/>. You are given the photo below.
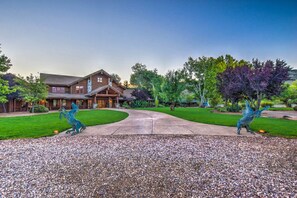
<point x="55" y="79"/>
<point x="64" y="80"/>
<point x="95" y="91"/>
<point x="128" y="93"/>
<point x="67" y="96"/>
<point x="94" y="73"/>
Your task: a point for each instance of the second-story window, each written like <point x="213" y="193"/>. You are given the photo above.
<point x="58" y="89"/>
<point x="79" y="89"/>
<point x="99" y="79"/>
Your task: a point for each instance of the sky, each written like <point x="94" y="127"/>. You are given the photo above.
<point x="78" y="37"/>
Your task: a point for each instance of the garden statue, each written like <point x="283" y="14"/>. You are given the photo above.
<point x="77" y="126"/>
<point x="248" y="116"/>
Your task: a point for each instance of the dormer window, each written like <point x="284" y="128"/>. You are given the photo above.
<point x="99" y="79"/>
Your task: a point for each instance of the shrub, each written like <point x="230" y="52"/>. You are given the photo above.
<point x="156" y="103"/>
<point x="221" y="109"/>
<point x="39" y="109"/>
<point x="139" y="104"/>
<point x="234" y="108"/>
<point x="295" y="108"/>
<point x="126" y="105"/>
<point x="267" y="103"/>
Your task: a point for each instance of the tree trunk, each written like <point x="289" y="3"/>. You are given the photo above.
<point x="33" y="107"/>
<point x="258" y="101"/>
<point x="4" y="108"/>
<point x="172" y="106"/>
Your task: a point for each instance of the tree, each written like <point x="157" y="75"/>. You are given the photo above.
<point x="289" y="94"/>
<point x="5" y="89"/>
<point x="174" y="84"/>
<point x="32" y="89"/>
<point x="147" y="79"/>
<point x="201" y="76"/>
<point x="126" y="84"/>
<point x="116" y="78"/>
<point x="261" y="79"/>
<point x="233" y="82"/>
<point x="5" y="63"/>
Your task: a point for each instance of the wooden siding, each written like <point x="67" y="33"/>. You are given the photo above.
<point x="96" y="84"/>
<point x="83" y="83"/>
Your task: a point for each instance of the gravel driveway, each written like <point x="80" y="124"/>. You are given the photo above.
<point x="149" y="166"/>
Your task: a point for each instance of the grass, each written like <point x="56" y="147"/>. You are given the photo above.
<point x="44" y="125"/>
<point x="274" y="126"/>
<point x="281" y="109"/>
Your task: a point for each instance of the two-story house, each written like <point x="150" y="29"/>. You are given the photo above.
<point x="94" y="90"/>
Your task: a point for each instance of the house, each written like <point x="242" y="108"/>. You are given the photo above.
<point x="97" y="89"/>
<point x="14" y="103"/>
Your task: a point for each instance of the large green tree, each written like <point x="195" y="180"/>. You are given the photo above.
<point x="201" y="76"/>
<point x="289" y="94"/>
<point x="5" y="65"/>
<point x="146" y="79"/>
<point x="173" y="85"/>
<point x="32" y="89"/>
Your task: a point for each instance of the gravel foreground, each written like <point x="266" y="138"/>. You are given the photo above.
<point x="149" y="166"/>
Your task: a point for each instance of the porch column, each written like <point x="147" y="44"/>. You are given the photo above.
<point x="118" y="105"/>
<point x="95" y="100"/>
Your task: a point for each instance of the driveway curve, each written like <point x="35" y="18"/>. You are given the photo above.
<point x="141" y="122"/>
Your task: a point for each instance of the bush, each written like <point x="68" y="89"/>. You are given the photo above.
<point x="39" y="109"/>
<point x="295" y="108"/>
<point x="221" y="109"/>
<point x="126" y="105"/>
<point x="161" y="105"/>
<point x="234" y="108"/>
<point x="139" y="104"/>
<point x="267" y="103"/>
<point x="156" y="103"/>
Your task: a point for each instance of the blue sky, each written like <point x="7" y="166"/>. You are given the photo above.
<point x="79" y="37"/>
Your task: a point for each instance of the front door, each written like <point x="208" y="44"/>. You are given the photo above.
<point x="110" y="103"/>
<point x="101" y="103"/>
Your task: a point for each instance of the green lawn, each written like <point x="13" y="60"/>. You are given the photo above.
<point x="275" y="127"/>
<point x="44" y="125"/>
<point x="281" y="109"/>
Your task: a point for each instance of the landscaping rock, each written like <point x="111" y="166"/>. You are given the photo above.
<point x="149" y="166"/>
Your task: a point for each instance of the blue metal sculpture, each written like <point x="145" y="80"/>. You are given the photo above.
<point x="77" y="126"/>
<point x="248" y="116"/>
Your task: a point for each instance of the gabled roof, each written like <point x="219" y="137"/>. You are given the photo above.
<point x="95" y="91"/>
<point x="64" y="80"/>
<point x="128" y="93"/>
<point x="101" y="71"/>
<point x="55" y="79"/>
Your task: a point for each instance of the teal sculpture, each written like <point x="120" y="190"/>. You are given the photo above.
<point x="77" y="126"/>
<point x="248" y="116"/>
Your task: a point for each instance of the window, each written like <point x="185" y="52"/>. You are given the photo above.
<point x="99" y="79"/>
<point x="58" y="89"/>
<point x="79" y="89"/>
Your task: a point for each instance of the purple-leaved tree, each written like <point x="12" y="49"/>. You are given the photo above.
<point x="261" y="79"/>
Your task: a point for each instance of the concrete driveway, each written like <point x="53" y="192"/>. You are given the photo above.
<point x="149" y="122"/>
